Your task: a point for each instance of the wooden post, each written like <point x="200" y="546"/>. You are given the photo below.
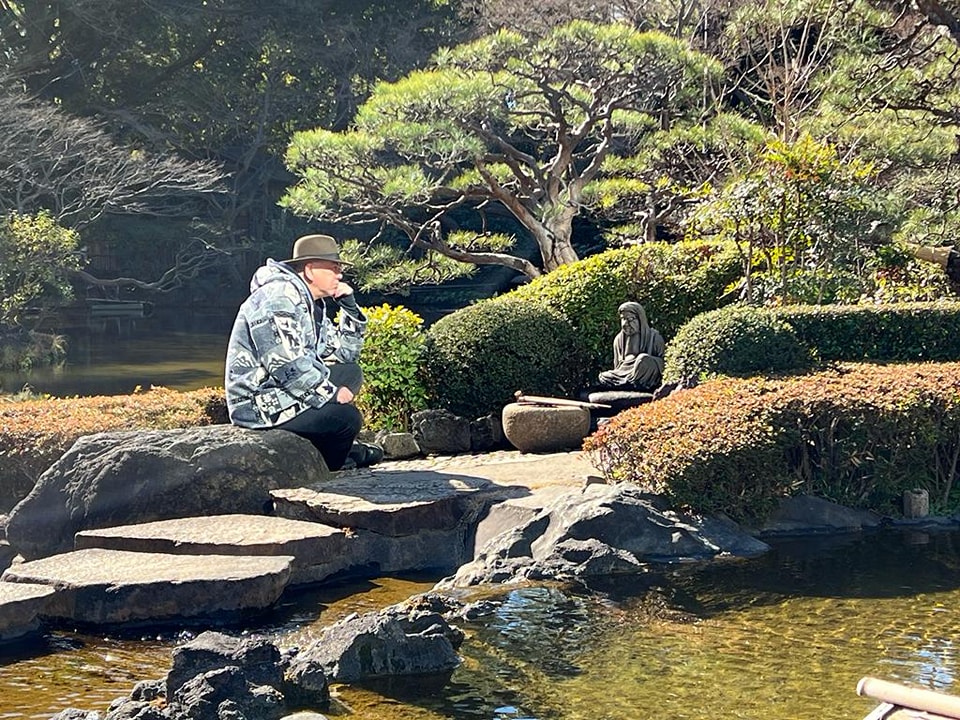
<point x="916" y="503"/>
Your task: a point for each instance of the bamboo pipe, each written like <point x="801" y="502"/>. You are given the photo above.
<point x="558" y="402"/>
<point x="934" y="254"/>
<point x="907" y="697"/>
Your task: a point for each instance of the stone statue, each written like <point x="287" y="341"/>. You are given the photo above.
<point x="637" y="353"/>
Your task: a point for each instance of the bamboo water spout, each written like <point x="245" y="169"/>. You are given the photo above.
<point x="895" y="697"/>
<point x="945" y="256"/>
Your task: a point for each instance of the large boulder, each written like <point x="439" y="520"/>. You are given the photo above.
<point x="411" y="638"/>
<point x="120" y="478"/>
<point x="597" y="531"/>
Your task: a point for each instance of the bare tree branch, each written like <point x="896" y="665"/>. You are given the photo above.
<point x="71" y="167"/>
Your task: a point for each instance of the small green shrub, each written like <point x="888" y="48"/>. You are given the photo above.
<point x="478" y="357"/>
<point x="734" y="341"/>
<point x="392" y="352"/>
<point x="856" y="434"/>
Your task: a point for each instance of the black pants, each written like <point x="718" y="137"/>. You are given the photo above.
<point x="333" y="427"/>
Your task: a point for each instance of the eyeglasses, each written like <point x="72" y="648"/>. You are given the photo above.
<point x="329" y="265"/>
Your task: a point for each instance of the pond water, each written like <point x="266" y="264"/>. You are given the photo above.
<point x="786" y="635"/>
<point x="105" y="365"/>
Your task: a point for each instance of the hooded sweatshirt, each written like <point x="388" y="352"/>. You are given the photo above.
<point x="279" y="346"/>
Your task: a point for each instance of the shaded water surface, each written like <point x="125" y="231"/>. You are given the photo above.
<point x="102" y="365"/>
<point x="786" y="635"/>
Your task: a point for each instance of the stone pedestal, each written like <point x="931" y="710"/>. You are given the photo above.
<point x="916" y="503"/>
<point x="545" y="428"/>
<point x="615" y="400"/>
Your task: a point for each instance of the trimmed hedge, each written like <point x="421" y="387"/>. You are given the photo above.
<point x="34" y="433"/>
<point x="903" y="332"/>
<point x="857" y="434"/>
<point x="673" y="282"/>
<point x="476" y="358"/>
<point x="737" y="340"/>
<point x="740" y="340"/>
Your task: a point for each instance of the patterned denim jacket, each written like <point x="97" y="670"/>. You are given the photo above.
<point x="279" y="348"/>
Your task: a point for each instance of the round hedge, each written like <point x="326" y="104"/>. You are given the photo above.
<point x="673" y="281"/>
<point x="478" y="357"/>
<point x="736" y="340"/>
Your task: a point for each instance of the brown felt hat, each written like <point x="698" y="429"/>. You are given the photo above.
<point x="316" y="247"/>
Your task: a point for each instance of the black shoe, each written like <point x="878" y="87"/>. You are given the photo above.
<point x="364" y="454"/>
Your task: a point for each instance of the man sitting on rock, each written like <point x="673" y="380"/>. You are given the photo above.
<point x="288" y="366"/>
<point x="637" y="353"/>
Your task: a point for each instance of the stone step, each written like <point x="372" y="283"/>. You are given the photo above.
<point x="106" y="587"/>
<point x="318" y="551"/>
<point x="20" y="607"/>
<point x="403" y="520"/>
<point x="393" y="504"/>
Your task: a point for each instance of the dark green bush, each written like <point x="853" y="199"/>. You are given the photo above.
<point x="477" y="358"/>
<point x="859" y="435"/>
<point x="673" y="282"/>
<point x="901" y="332"/>
<point x="738" y="340"/>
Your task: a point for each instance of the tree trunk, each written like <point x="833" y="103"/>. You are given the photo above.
<point x="555" y="238"/>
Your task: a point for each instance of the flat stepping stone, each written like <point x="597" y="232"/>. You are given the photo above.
<point x="105" y="587"/>
<point x="394" y="504"/>
<point x="20" y="607"/>
<point x="318" y="551"/>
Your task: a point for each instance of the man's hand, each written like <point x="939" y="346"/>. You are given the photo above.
<point x="343" y="290"/>
<point x="344" y="395"/>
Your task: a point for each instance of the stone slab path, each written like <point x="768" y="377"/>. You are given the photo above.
<point x="400" y="515"/>
<point x="318" y="550"/>
<point x="503" y="467"/>
<point x="392" y="503"/>
<point x="106" y="587"/>
<point x="20" y="607"/>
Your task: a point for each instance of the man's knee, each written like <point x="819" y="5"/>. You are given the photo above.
<point x="352" y="418"/>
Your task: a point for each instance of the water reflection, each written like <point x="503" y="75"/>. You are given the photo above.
<point x="99" y="365"/>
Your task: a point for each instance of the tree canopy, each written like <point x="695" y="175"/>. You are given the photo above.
<point x="505" y="123"/>
<point x="467" y="132"/>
